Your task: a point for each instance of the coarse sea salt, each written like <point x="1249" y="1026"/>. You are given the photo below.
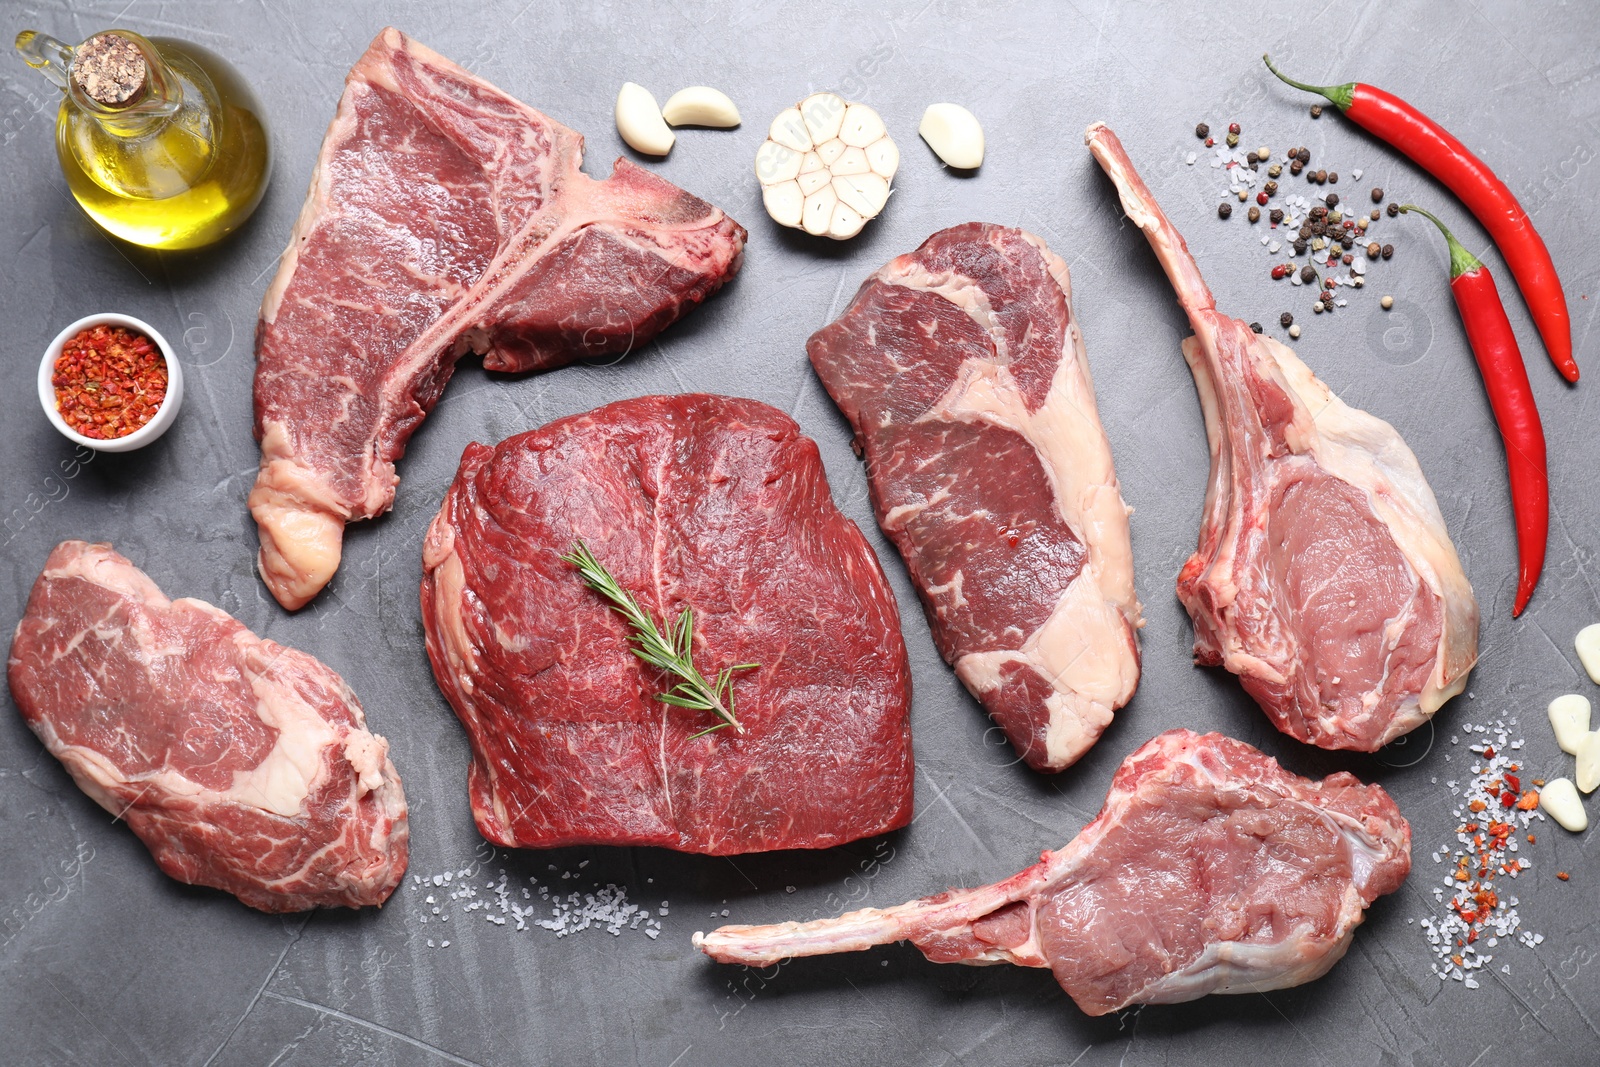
<point x="604" y="908"/>
<point x="1488" y="817"/>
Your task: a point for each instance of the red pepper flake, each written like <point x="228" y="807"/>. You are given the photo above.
<point x="1563" y="875"/>
<point x="1513" y="783"/>
<point x="1529" y="801"/>
<point x="1488" y="752"/>
<point x="1508" y="799"/>
<point x="109" y="381"/>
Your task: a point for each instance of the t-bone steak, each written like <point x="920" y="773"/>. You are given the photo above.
<point x="444" y="217"/>
<point x="962" y="370"/>
<point x="241" y="764"/>
<point x="692" y="502"/>
<point x="1209" y="870"/>
<point x="1324" y="578"/>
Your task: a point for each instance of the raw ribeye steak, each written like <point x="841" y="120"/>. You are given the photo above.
<point x="1324" y="578"/>
<point x="1210" y="869"/>
<point x="962" y="371"/>
<point x="444" y="216"/>
<point x="692" y="502"/>
<point x="240" y="764"/>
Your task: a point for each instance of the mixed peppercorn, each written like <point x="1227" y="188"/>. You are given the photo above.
<point x="109" y="382"/>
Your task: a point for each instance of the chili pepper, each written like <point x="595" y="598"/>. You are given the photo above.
<point x="1505" y="379"/>
<point x="1436" y="151"/>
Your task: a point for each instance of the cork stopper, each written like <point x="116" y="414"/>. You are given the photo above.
<point x="110" y="70"/>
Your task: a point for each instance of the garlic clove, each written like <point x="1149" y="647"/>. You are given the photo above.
<point x="1588" y="645"/>
<point x="813" y="161"/>
<point x="851" y="161"/>
<point x="823" y="113"/>
<point x="830" y="151"/>
<point x="812" y="180"/>
<point x="846" y="223"/>
<point x="700" y="105"/>
<point x="1560" y="800"/>
<point x="784" y="202"/>
<point x="776" y="164"/>
<point x="883" y="157"/>
<point x="954" y="135"/>
<point x="866" y="193"/>
<point x="789" y="130"/>
<point x="640" y="123"/>
<point x="1569" y="718"/>
<point x="819" y="210"/>
<point x="1588" y="754"/>
<point x="861" y="126"/>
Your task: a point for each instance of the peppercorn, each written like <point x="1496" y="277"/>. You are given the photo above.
<point x="1358" y="281"/>
<point x="1224" y="209"/>
<point x="1295" y="166"/>
<point x="1211" y="142"/>
<point x="1387" y="302"/>
<point x="1304" y="155"/>
<point x="1286" y="320"/>
<point x="1362" y="223"/>
<point x="1279" y="271"/>
<point x="1276" y="216"/>
<point x="1347" y="224"/>
<point x="1308" y="274"/>
<point x="1376" y="215"/>
<point x="1254" y="214"/>
<point x="1394" y="209"/>
<point x="1305" y="230"/>
<point x="1300" y="247"/>
<point x="1243" y="195"/>
<point x="1319" y="211"/>
<point x="1261" y="198"/>
<point x="1255" y="327"/>
<point x="1233" y="140"/>
<point x="1322" y="177"/>
<point x="1332" y="200"/>
<point x="1263" y="153"/>
<point x="1275" y="170"/>
<point x="1317" y="307"/>
<point x="1294" y="331"/>
<point x="1316" y="111"/>
<point x="1254" y="165"/>
<point x="1333" y="177"/>
<point x="1388" y="251"/>
<point x="1348" y="240"/>
<point x="1271" y="188"/>
<point x="1373" y="249"/>
<point x="1233" y="128"/>
<point x="1202" y="131"/>
<point x="1346" y="259"/>
<point x="1377" y="195"/>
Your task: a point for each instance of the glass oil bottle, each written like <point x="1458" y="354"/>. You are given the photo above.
<point x="160" y="141"/>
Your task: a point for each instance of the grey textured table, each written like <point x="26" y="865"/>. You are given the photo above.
<point x="113" y="963"/>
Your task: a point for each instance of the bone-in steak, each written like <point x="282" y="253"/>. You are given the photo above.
<point x="1209" y="870"/>
<point x="692" y="502"/>
<point x="963" y="373"/>
<point x="444" y="216"/>
<point x="1324" y="578"/>
<point x="241" y="764"/>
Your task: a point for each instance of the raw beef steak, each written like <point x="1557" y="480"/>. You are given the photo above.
<point x="241" y="764"/>
<point x="444" y="216"/>
<point x="1209" y="870"/>
<point x="963" y="373"/>
<point x="1324" y="578"/>
<point x="702" y="502"/>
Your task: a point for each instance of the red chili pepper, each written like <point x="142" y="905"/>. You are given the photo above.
<point x="1436" y="151"/>
<point x="1505" y="379"/>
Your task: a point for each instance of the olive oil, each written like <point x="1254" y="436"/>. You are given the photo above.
<point x="181" y="163"/>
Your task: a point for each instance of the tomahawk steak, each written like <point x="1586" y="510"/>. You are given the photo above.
<point x="444" y="217"/>
<point x="1209" y="870"/>
<point x="702" y="503"/>
<point x="240" y="764"/>
<point x="963" y="373"/>
<point x="1324" y="577"/>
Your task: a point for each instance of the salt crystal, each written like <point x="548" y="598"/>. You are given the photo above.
<point x="1189" y="159"/>
<point x="1274" y="246"/>
<point x="1356" y="174"/>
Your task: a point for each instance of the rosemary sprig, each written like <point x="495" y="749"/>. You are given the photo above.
<point x="672" y="656"/>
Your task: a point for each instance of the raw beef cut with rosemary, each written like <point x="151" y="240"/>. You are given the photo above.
<point x="963" y="373"/>
<point x="1210" y="869"/>
<point x="444" y="217"/>
<point x="1324" y="578"/>
<point x="241" y="764"/>
<point x="706" y="519"/>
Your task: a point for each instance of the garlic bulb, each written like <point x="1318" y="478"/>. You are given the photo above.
<point x="826" y="166"/>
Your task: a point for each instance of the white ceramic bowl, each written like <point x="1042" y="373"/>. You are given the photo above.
<point x="144" y="434"/>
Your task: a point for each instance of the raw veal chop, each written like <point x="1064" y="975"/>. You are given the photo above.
<point x="1210" y="869"/>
